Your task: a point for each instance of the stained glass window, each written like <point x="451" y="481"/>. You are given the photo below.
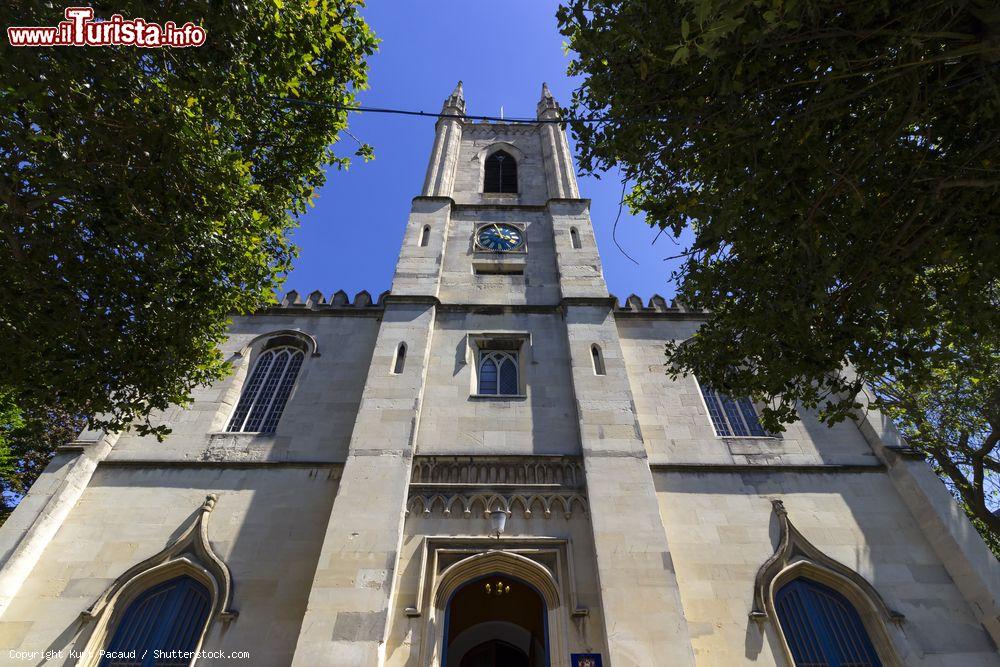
<point x="731" y="417"/>
<point x="168" y="617"/>
<point x="822" y="628"/>
<point x="266" y="392"/>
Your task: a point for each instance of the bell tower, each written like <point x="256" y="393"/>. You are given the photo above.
<point x="499" y="263"/>
<point x="500" y="219"/>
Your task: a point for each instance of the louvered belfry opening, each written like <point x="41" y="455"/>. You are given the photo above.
<point x="501" y="173"/>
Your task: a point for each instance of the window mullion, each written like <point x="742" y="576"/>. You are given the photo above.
<point x="277" y="390"/>
<point x="260" y="368"/>
<point x="164" y="622"/>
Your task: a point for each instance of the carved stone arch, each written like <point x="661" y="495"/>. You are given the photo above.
<point x="797" y="557"/>
<point x="491" y="562"/>
<point x="505" y="146"/>
<point x="509" y="182"/>
<point x="295" y="337"/>
<point x="189" y="554"/>
<point x="192" y="549"/>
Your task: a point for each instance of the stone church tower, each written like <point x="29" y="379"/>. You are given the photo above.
<point x="488" y="466"/>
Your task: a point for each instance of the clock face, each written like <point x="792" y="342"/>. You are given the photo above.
<point x="500" y="238"/>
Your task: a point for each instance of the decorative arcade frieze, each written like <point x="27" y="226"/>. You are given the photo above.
<point x="468" y="485"/>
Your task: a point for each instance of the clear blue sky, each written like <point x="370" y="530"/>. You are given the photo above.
<point x="502" y="54"/>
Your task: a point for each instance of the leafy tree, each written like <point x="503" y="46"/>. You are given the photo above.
<point x="31" y="443"/>
<point x="840" y="167"/>
<point x="10" y="420"/>
<point x="147" y="194"/>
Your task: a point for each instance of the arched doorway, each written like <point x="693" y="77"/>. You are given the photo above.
<point x="496" y="621"/>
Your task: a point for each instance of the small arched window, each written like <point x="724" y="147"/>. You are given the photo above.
<point x="397" y="366"/>
<point x="266" y="391"/>
<point x="170" y="616"/>
<point x="574" y="236"/>
<point x="595" y="352"/>
<point x="425" y="236"/>
<point x="498" y="374"/>
<point x="500" y="173"/>
<point x="822" y="627"/>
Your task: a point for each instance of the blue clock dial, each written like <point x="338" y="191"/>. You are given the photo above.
<point x="500" y="238"/>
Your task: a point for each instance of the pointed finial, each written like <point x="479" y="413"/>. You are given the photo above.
<point x="547" y="107"/>
<point x="455" y="104"/>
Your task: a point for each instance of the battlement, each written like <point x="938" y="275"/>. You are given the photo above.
<point x="338" y="300"/>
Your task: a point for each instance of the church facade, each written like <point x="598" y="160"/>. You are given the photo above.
<point x="487" y="465"/>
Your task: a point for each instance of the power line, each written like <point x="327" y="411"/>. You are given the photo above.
<point x="427" y="114"/>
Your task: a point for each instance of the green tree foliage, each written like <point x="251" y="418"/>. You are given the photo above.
<point x="31" y="443"/>
<point x="10" y="420"/>
<point x="147" y="194"/>
<point x="839" y="164"/>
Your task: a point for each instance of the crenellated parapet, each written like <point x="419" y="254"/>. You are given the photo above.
<point x="339" y="300"/>
<point x="656" y="304"/>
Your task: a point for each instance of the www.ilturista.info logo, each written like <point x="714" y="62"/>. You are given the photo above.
<point x="80" y="29"/>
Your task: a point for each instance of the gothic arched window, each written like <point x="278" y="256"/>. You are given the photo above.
<point x="822" y="627"/>
<point x="574" y="237"/>
<point x="266" y="391"/>
<point x="501" y="173"/>
<point x="498" y="374"/>
<point x="170" y="616"/>
<point x="731" y="417"/>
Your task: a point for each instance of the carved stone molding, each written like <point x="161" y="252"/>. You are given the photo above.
<point x="468" y="504"/>
<point x="191" y="550"/>
<point x="502" y="129"/>
<point x="467" y="485"/>
<point x="449" y="562"/>
<point x="794" y="549"/>
<point x="459" y="471"/>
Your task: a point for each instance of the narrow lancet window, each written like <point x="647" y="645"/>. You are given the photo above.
<point x="400" y="362"/>
<point x="500" y="173"/>
<point x="575" y="237"/>
<point x="595" y="351"/>
<point x="425" y="236"/>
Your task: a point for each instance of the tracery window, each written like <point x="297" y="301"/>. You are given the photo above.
<point x="266" y="391"/>
<point x="731" y="417"/>
<point x="500" y="173"/>
<point x="822" y="628"/>
<point x="170" y="616"/>
<point x="498" y="373"/>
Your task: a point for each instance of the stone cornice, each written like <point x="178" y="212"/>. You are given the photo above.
<point x="729" y="468"/>
<point x="176" y="463"/>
